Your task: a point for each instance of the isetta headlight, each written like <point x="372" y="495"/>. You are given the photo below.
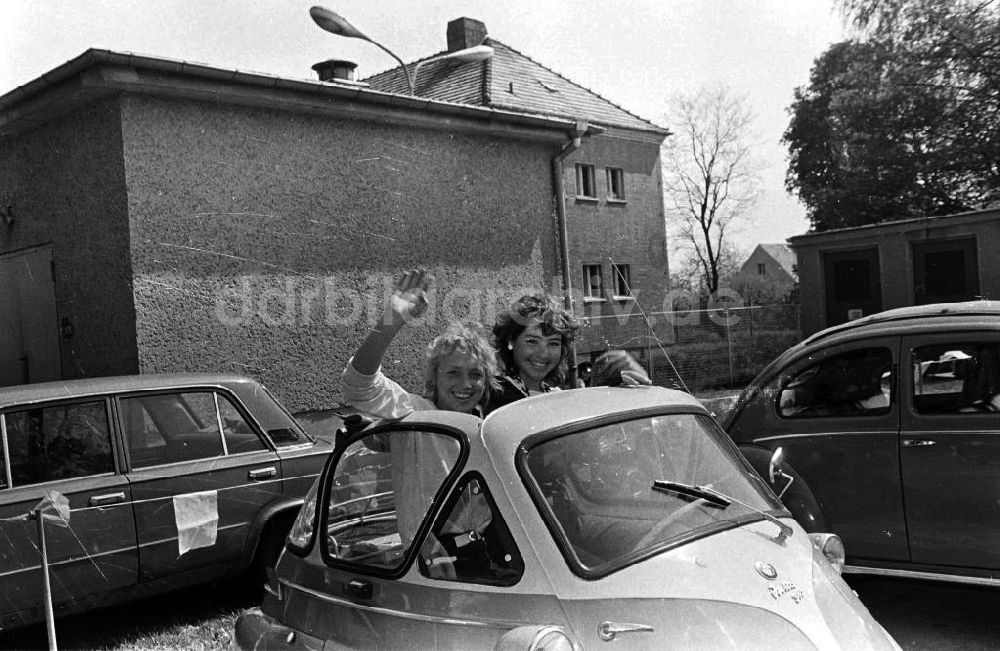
<point x="832" y="548"/>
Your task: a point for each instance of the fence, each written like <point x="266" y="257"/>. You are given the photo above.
<point x="699" y="350"/>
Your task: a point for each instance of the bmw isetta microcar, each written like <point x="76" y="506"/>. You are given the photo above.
<point x="584" y="519"/>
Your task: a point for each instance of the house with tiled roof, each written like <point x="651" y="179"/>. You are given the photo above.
<point x="767" y="275"/>
<point x="608" y="189"/>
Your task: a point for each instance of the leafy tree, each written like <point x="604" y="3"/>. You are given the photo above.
<point x="709" y="177"/>
<point x="902" y="120"/>
<point x="688" y="276"/>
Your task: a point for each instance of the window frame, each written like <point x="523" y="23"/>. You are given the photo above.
<point x="445" y="489"/>
<point x="817" y="358"/>
<point x="622" y="281"/>
<point x="913" y="420"/>
<point x="588" y="287"/>
<point x="497" y="520"/>
<point x="216" y="392"/>
<point x="611" y="174"/>
<point x="113" y="440"/>
<point x="586" y="174"/>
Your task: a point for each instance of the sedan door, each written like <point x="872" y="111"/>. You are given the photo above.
<point x="67" y="448"/>
<point x="835" y="413"/>
<point x="200" y="474"/>
<point x="950" y="449"/>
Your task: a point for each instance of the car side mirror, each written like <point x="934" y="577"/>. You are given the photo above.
<point x="776" y="473"/>
<point x="773" y="466"/>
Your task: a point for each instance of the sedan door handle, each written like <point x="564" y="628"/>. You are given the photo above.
<point x="104" y="500"/>
<point x="262" y="473"/>
<point x="917" y="443"/>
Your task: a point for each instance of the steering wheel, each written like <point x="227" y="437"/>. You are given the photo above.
<point x="658" y="528"/>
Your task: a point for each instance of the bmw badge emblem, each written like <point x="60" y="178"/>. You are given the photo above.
<point x="766" y="570"/>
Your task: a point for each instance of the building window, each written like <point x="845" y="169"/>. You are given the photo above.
<point x="760" y="268"/>
<point x="593" y="281"/>
<point x="616" y="184"/>
<point x="623" y="280"/>
<point x="585" y="181"/>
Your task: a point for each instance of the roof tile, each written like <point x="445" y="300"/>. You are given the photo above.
<point x="510" y="80"/>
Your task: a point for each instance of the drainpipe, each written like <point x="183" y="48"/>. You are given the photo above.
<point x="558" y="180"/>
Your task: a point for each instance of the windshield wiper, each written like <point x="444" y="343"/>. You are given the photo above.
<point x="706" y="493"/>
<point x="721" y="500"/>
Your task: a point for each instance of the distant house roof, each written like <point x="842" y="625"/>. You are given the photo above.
<point x="782" y="254"/>
<point x="513" y="81"/>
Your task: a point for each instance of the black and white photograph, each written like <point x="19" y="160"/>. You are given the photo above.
<point x="541" y="326"/>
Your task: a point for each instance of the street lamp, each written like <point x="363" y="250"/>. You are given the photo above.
<point x="336" y="24"/>
<point x="476" y="53"/>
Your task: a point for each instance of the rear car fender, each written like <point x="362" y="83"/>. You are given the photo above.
<point x="799" y="499"/>
<point x="278" y="513"/>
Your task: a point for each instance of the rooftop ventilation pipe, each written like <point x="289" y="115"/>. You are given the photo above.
<point x="336" y="70"/>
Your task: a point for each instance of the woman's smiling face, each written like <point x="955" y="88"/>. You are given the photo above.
<point x="536" y="354"/>
<point x="460" y="382"/>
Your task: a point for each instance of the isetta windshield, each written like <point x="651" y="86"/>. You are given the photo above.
<point x="602" y="490"/>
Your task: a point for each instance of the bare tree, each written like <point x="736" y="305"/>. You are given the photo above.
<point x="709" y="177"/>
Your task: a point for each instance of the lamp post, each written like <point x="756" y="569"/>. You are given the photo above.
<point x="334" y="23"/>
<point x="476" y="53"/>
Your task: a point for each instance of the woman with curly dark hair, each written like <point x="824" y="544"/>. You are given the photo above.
<point x="533" y="340"/>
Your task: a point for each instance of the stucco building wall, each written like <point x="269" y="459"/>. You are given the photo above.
<point x="65" y="182"/>
<point x="632" y="232"/>
<point x="264" y="241"/>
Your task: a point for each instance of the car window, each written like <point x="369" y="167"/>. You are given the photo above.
<point x="601" y="487"/>
<point x="58" y="442"/>
<point x="956" y="378"/>
<point x="171" y="427"/>
<point x="470" y="542"/>
<point x="239" y="436"/>
<point x="855" y="383"/>
<point x="381" y="491"/>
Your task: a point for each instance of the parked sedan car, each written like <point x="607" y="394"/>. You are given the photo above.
<point x="891" y="432"/>
<point x="563" y="521"/>
<point x="170" y="480"/>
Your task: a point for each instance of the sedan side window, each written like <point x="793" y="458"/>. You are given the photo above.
<point x="957" y="378"/>
<point x="172" y="427"/>
<point x="471" y="542"/>
<point x="58" y="442"/>
<point x="855" y="383"/>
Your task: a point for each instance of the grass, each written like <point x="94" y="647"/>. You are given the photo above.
<point x="196" y="619"/>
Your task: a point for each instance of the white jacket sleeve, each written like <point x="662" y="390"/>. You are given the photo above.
<point x="378" y="395"/>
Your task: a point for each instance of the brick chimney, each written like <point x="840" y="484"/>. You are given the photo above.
<point x="465" y="33"/>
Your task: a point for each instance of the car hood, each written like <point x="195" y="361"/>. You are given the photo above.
<point x="737" y="589"/>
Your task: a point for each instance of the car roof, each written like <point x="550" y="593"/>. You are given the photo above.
<point x="965" y="316"/>
<point x="504" y="429"/>
<point x="30" y="393"/>
<point x="916" y="315"/>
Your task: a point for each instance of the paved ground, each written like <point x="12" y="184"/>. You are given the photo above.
<point x="926" y="615"/>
